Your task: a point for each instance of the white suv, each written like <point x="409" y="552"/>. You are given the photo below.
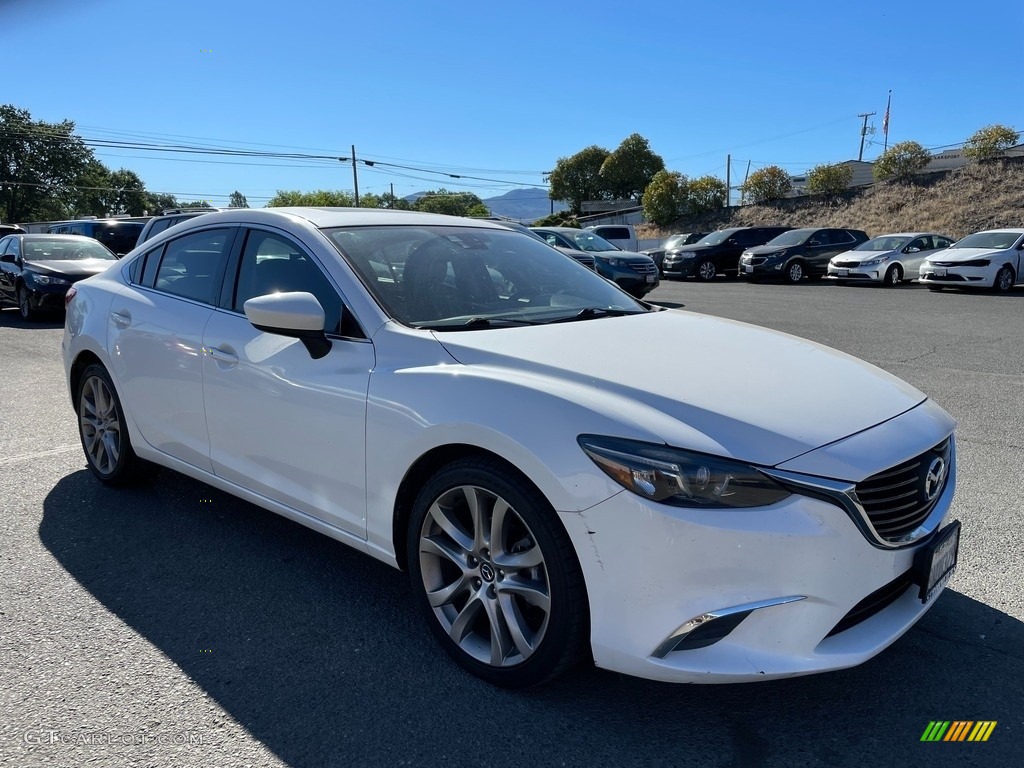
<point x="989" y="259"/>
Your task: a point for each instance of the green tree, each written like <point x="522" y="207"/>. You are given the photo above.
<point x="901" y="161"/>
<point x="630" y="168"/>
<point x="665" y="197"/>
<point x="706" y="194"/>
<point x="767" y="184"/>
<point x="158" y="203"/>
<point x="829" y="179"/>
<point x="39" y="165"/>
<point x="237" y="200"/>
<point x="387" y="200"/>
<point x="451" y="203"/>
<point x="990" y="141"/>
<point x="195" y="204"/>
<point x="320" y="197"/>
<point x="578" y="178"/>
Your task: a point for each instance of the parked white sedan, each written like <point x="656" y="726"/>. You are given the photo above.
<point x="990" y="259"/>
<point x="459" y="400"/>
<point x="887" y="259"/>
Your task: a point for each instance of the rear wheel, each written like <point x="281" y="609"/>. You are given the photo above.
<point x="495" y="574"/>
<point x="795" y="272"/>
<point x="101" y="426"/>
<point x="894" y="275"/>
<point x="706" y="270"/>
<point x="1004" y="279"/>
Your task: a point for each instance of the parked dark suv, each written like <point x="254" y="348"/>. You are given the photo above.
<point x="717" y="253"/>
<point x="118" y="235"/>
<point x="170" y="217"/>
<point x="799" y="253"/>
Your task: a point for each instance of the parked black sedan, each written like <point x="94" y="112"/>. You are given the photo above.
<point x="37" y="270"/>
<point x="799" y="253"/>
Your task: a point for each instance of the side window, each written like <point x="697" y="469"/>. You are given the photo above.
<point x="14" y="247"/>
<point x="78" y="229"/>
<point x="615" y="233"/>
<point x="821" y="237"/>
<point x="273" y="264"/>
<point x="921" y="243"/>
<point x="943" y="242"/>
<point x="159" y="226"/>
<point x="192" y="266"/>
<point x="152" y="260"/>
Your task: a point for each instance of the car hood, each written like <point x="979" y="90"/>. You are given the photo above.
<point x="768" y="250"/>
<point x="694" y="248"/>
<point x="734" y="389"/>
<point x="965" y="254"/>
<point x="862" y="255"/>
<point x="628" y="256"/>
<point x="70" y="268"/>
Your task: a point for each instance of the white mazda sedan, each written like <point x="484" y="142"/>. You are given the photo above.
<point x="463" y="402"/>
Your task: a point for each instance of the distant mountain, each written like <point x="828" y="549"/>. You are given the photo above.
<point x="523" y="205"/>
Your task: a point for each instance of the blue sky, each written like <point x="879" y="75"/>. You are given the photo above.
<point x="501" y="91"/>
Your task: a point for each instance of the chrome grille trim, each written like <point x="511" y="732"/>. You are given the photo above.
<point x="644" y="269"/>
<point x="843" y="494"/>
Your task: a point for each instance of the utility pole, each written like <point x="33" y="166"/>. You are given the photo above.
<point x="863" y="133"/>
<point x="728" y="189"/>
<point x="743" y="191"/>
<point x="355" y="177"/>
<point x="391" y="202"/>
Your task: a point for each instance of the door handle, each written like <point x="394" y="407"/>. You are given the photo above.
<point x="222" y="356"/>
<point x="121" y="319"/>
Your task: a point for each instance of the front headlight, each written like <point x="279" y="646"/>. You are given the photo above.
<point x="613" y="262"/>
<point x="49" y="280"/>
<point x="681" y="478"/>
<point x="875" y="261"/>
<point x="687" y="255"/>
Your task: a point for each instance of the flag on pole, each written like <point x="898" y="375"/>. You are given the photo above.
<point x="885" y="120"/>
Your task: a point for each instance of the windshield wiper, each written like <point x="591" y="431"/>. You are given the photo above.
<point x="590" y="313"/>
<point x="475" y="323"/>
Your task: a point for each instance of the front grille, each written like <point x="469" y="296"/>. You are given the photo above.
<point x="897" y="500"/>
<point x="874" y="603"/>
<point x="951" y="277"/>
<point x="947" y="263"/>
<point x="644" y="269"/>
<point x="755" y="260"/>
<point x="845" y="264"/>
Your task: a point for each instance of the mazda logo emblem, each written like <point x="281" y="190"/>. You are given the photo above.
<point x="487" y="572"/>
<point x="933" y="480"/>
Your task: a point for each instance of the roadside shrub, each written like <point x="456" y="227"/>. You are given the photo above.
<point x="766" y="184"/>
<point x="990" y="141"/>
<point x="901" y="161"/>
<point x="665" y="197"/>
<point x="707" y="193"/>
<point x="829" y="179"/>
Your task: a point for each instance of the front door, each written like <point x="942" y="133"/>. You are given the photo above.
<point x="282" y="424"/>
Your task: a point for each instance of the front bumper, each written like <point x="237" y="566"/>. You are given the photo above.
<point x="672" y="267"/>
<point x="632" y="282"/>
<point x="804" y="565"/>
<point x="765" y="269"/>
<point x="959" y="277"/>
<point x="47" y="298"/>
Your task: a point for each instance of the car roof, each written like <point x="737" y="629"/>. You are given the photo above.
<point x="907" y="234"/>
<point x="1016" y="230"/>
<point x="50" y="237"/>
<point x="343" y="217"/>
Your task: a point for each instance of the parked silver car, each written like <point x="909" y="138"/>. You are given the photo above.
<point x="888" y="259"/>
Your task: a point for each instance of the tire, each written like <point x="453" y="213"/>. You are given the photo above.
<point x="103" y="432"/>
<point x="893" y="276"/>
<point x="513" y="613"/>
<point x="24" y="307"/>
<point x="935" y="288"/>
<point x="1004" y="279"/>
<point x="706" y="270"/>
<point x="795" y="272"/>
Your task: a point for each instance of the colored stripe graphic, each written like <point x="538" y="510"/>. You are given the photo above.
<point x="935" y="730"/>
<point x="959" y="730"/>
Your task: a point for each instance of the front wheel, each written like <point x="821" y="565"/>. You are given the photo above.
<point x="104" y="434"/>
<point x="706" y="270"/>
<point x="24" y="305"/>
<point x="495" y="574"/>
<point x="894" y="276"/>
<point x="795" y="272"/>
<point x="1004" y="280"/>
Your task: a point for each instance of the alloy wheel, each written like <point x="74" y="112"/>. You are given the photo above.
<point x="1004" y="280"/>
<point x="484" y="576"/>
<point x="894" y="276"/>
<point x="101" y="427"/>
<point x="795" y="272"/>
<point x="706" y="270"/>
<point x="23" y="304"/>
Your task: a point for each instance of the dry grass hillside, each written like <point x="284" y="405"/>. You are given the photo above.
<point x="954" y="203"/>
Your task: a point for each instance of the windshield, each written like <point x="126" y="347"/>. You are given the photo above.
<point x="588" y="241"/>
<point x="886" y="243"/>
<point x="716" y="238"/>
<point x="1001" y="240"/>
<point x="120" y="238"/>
<point x="64" y="249"/>
<point x="793" y="237"/>
<point x="458" y="277"/>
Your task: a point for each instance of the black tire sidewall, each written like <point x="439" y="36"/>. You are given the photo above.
<point x="554" y="653"/>
<point x="998" y="282"/>
<point x="126" y="456"/>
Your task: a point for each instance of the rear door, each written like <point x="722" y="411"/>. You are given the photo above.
<point x="8" y="269"/>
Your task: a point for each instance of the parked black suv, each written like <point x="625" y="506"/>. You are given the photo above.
<point x="717" y="253"/>
<point x="799" y="253"/>
<point x="118" y="235"/>
<point x="170" y="217"/>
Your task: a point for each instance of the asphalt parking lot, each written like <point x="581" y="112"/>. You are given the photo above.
<point x="175" y="626"/>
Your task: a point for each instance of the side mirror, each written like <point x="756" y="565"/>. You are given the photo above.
<point x="9" y="258"/>
<point x="911" y="249"/>
<point x="731" y="241"/>
<point x="297" y="315"/>
<point x="813" y="242"/>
